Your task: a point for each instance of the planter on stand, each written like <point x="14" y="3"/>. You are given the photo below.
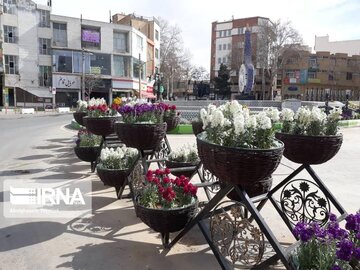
<point x="197" y="127"/>
<point x="88" y="154"/>
<point x="114" y="178"/>
<point x="305" y="149"/>
<point x="172" y="122"/>
<point x="192" y="167"/>
<point x="166" y="221"/>
<point x="78" y="116"/>
<point x="141" y="136"/>
<point x="102" y="126"/>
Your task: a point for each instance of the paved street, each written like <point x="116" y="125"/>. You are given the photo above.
<point x="110" y="236"/>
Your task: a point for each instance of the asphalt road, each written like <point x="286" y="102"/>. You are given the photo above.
<point x="18" y="136"/>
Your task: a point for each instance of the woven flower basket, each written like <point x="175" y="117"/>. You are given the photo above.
<point x="88" y="154"/>
<point x="113" y="178"/>
<point x="78" y="116"/>
<point x="102" y="126"/>
<point x="240" y="166"/>
<point x="174" y="164"/>
<point x="172" y="122"/>
<point x="166" y="220"/>
<point x="310" y="149"/>
<point x="255" y="189"/>
<point x="197" y="127"/>
<point x="141" y="136"/>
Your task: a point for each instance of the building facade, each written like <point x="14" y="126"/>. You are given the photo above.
<point x="308" y="76"/>
<point x="77" y="57"/>
<point x="350" y="47"/>
<point x="227" y="47"/>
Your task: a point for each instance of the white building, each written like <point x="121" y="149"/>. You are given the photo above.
<point x="351" y="47"/>
<point x="26" y="51"/>
<point x="43" y="50"/>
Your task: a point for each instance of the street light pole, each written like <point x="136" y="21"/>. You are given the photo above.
<point x="83" y="75"/>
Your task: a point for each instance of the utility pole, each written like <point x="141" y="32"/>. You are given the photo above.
<point x="83" y="75"/>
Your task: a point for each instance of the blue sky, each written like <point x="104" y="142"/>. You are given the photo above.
<point x="337" y="18"/>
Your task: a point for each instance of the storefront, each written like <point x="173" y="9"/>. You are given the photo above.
<point x="67" y="89"/>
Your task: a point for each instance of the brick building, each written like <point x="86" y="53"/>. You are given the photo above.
<point x="227" y="47"/>
<point x="306" y="76"/>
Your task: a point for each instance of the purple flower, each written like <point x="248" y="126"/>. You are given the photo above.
<point x="335" y="267"/>
<point x="345" y="250"/>
<point x="356" y="253"/>
<point x="332" y="217"/>
<point x="351" y="223"/>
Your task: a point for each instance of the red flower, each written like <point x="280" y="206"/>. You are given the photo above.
<point x="166" y="180"/>
<point x="167" y="171"/>
<point x="173" y="107"/>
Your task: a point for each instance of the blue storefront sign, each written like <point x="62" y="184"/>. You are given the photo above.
<point x="292" y="88"/>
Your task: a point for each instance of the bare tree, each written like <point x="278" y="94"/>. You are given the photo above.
<point x="91" y="82"/>
<point x="275" y="40"/>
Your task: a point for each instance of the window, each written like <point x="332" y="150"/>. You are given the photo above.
<point x="121" y="42"/>
<point x="90" y="37"/>
<point x="229" y="46"/>
<point x="77" y="62"/>
<point x="241" y="31"/>
<point x="121" y="66"/>
<point x="63" y="61"/>
<point x="331" y="76"/>
<point x="219" y="60"/>
<point x="44" y="46"/>
<point x="44" y="18"/>
<point x="224" y="47"/>
<point x="157" y="53"/>
<point x="290" y="74"/>
<point x="224" y="59"/>
<point x="139" y="42"/>
<point x="220" y="47"/>
<point x="311" y="75"/>
<point x="9" y="6"/>
<point x="229" y="32"/>
<point x="156" y="34"/>
<point x="100" y="64"/>
<point x="59" y="34"/>
<point x="313" y="62"/>
<point x="136" y="68"/>
<point x="11" y="64"/>
<point x="348" y="76"/>
<point x="44" y="75"/>
<point x="10" y="34"/>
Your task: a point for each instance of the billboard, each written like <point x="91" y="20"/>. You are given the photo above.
<point x="89" y="35"/>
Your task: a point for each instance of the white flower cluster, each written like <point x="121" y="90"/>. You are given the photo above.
<point x="81" y="104"/>
<point x="273" y="114"/>
<point x="233" y="114"/>
<point x="232" y="122"/>
<point x="312" y="122"/>
<point x="119" y="158"/>
<point x="187" y="153"/>
<point x="305" y="116"/>
<point x="97" y="102"/>
<point x="119" y="153"/>
<point x="287" y="115"/>
<point x="335" y="114"/>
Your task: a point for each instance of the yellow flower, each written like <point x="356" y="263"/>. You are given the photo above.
<point x="117" y="101"/>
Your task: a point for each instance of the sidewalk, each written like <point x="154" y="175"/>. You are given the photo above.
<point x="12" y="114"/>
<point x="112" y="237"/>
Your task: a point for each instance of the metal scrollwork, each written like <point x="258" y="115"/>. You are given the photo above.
<point x="207" y="176"/>
<point x="234" y="235"/>
<point x="163" y="151"/>
<point x="303" y="200"/>
<point x="137" y="178"/>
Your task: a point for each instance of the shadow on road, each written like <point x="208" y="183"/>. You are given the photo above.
<point x="27" y="234"/>
<point x="35" y="157"/>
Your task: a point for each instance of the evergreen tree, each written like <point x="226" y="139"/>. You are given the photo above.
<point x="222" y="81"/>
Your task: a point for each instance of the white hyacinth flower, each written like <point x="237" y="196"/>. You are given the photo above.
<point x="263" y="121"/>
<point x="287" y="114"/>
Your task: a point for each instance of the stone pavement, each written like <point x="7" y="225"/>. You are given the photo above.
<point x="112" y="237"/>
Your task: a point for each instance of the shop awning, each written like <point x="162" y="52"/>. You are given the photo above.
<point x="122" y="90"/>
<point x="40" y="92"/>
